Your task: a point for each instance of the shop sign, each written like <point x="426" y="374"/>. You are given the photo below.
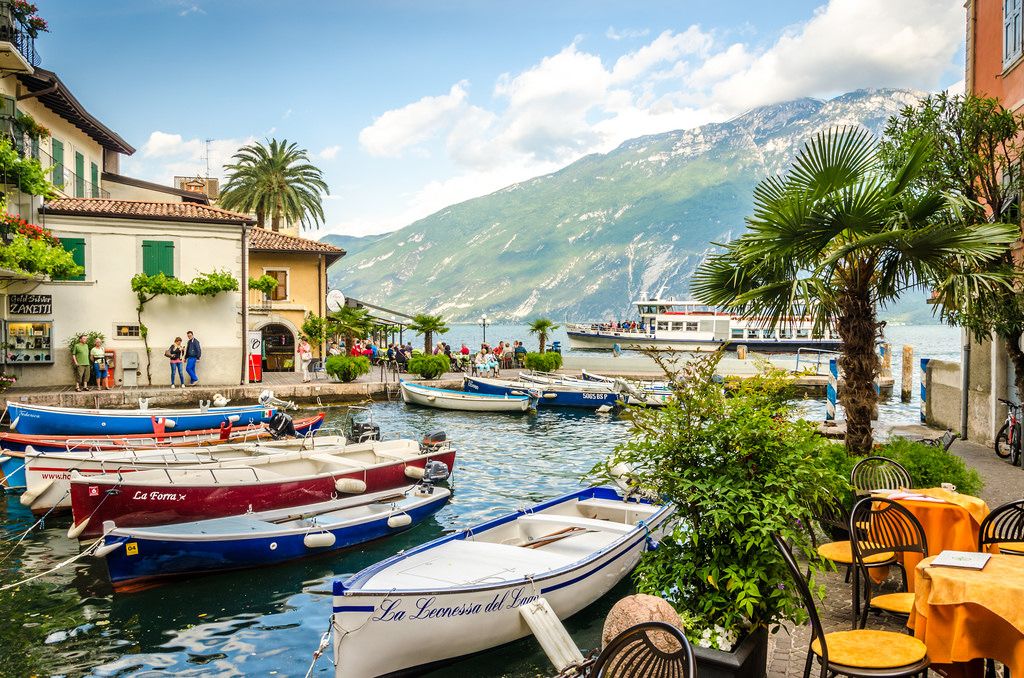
<point x="30" y="304"/>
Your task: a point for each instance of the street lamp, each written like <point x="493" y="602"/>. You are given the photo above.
<point x="483" y="322"/>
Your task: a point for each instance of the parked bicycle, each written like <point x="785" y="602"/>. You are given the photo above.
<point x="1008" y="445"/>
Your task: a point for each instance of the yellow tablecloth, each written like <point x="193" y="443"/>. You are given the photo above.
<point x="971" y="614"/>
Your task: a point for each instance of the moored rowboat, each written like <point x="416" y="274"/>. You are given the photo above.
<point x="263" y="538"/>
<point x="446" y="399"/>
<point x="552" y="395"/>
<point x="42" y="419"/>
<point x="463" y="593"/>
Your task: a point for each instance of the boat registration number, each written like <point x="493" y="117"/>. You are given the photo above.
<point x="593" y="396"/>
<point x="131" y="548"/>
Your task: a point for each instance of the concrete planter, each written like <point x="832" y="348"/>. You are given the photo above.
<point x="748" y="660"/>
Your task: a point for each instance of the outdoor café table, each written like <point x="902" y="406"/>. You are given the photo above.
<point x="963" y="614"/>
<point x="950" y="521"/>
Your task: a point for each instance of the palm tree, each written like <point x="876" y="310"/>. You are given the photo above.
<point x="835" y="238"/>
<point x="427" y="325"/>
<point x="277" y="180"/>
<point x="351" y="323"/>
<point x="542" y="327"/>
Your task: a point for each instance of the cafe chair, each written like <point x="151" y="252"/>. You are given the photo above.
<point x="834" y="520"/>
<point x="892" y="530"/>
<point x="1004" y="528"/>
<point x="879" y="473"/>
<point x="648" y="650"/>
<point x="860" y="653"/>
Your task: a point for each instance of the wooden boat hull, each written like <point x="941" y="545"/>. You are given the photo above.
<point x="138" y="555"/>
<point x="552" y="395"/>
<point x="131" y="502"/>
<point x="379" y="633"/>
<point x="445" y="399"/>
<point x="38" y="419"/>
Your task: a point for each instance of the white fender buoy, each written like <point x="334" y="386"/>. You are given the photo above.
<point x="14" y="424"/>
<point x="550" y="395"/>
<point x="75" y="530"/>
<point x="414" y="472"/>
<point x="319" y="540"/>
<point x="431" y="398"/>
<point x="28" y="497"/>
<point x="604" y="409"/>
<point x="169" y="423"/>
<point x="4" y="459"/>
<point x="350" y="486"/>
<point x="400" y="520"/>
<point x="102" y="551"/>
<point x="233" y="418"/>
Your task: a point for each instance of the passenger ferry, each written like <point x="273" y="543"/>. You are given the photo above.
<point x="692" y="326"/>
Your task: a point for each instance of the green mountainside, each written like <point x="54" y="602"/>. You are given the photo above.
<point x="586" y="241"/>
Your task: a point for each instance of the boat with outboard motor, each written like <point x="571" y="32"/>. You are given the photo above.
<point x="591" y="396"/>
<point x="138" y="554"/>
<point x="447" y="399"/>
<point x="175" y="495"/>
<point x="466" y="592"/>
<point x="632" y="392"/>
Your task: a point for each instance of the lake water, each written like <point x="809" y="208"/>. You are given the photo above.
<point x="267" y="622"/>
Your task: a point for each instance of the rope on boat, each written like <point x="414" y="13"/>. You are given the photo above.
<point x="325" y="640"/>
<point x="32" y="527"/>
<point x="87" y="552"/>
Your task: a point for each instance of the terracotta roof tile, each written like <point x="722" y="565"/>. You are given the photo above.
<point x="144" y="209"/>
<point x="267" y="240"/>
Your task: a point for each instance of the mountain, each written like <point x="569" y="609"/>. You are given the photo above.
<point x="352" y="244"/>
<point x="584" y="242"/>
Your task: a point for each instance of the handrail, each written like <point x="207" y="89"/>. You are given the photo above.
<point x="820" y="353"/>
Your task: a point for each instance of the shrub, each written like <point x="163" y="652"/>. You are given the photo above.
<point x="738" y="469"/>
<point x="543" y="362"/>
<point x="931" y="466"/>
<point x="429" y="366"/>
<point x="92" y="335"/>
<point x="347" y="368"/>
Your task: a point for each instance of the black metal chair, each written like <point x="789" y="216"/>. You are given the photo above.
<point x="316" y="368"/>
<point x="648" y="650"/>
<point x="879" y="473"/>
<point x="861" y="653"/>
<point x="892" y="530"/>
<point x="1004" y="527"/>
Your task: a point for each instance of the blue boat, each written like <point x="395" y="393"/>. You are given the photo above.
<point x="139" y="554"/>
<point x="42" y="419"/>
<point x="552" y="395"/>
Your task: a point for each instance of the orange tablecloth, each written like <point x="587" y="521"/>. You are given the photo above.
<point x="971" y="614"/>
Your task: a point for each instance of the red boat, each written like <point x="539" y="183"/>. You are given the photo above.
<point x="165" y="496"/>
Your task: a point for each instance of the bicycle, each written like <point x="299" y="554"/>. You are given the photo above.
<point x="1008" y="445"/>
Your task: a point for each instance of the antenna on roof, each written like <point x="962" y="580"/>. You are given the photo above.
<point x="207" y="158"/>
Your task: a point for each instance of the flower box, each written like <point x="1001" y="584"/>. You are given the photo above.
<point x="749" y="659"/>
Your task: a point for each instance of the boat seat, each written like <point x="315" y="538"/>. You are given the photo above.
<point x="618" y="505"/>
<point x="335" y="459"/>
<point x="554" y="520"/>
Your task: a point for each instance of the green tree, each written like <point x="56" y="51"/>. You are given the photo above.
<point x="349" y="322"/>
<point x="314" y="327"/>
<point x="836" y="237"/>
<point x="428" y="325"/>
<point x="979" y="145"/>
<point x="542" y="327"/>
<point x="275" y="180"/>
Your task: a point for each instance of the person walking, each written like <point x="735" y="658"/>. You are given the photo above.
<point x="98" y="357"/>
<point x="80" y="358"/>
<point x="193" y="353"/>
<point x="176" y="352"/>
<point x="305" y="352"/>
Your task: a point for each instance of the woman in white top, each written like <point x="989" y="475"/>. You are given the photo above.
<point x="305" y="352"/>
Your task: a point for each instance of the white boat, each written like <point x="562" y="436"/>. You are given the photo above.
<point x="463" y="593"/>
<point x="693" y="326"/>
<point x="447" y="399"/>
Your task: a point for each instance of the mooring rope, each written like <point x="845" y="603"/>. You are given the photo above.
<point x="32" y="527"/>
<point x="325" y="640"/>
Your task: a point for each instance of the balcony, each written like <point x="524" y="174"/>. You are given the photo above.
<point x="17" y="42"/>
<point x="66" y="181"/>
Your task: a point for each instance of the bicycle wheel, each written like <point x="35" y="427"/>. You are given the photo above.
<point x="1002" y="445"/>
<point x="1015" y="450"/>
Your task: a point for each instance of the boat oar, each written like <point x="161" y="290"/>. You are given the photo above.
<point x="558" y="536"/>
<point x="310" y="514"/>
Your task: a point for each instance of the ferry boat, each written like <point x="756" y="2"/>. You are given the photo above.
<point x="693" y="326"/>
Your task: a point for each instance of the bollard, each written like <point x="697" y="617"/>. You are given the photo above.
<point x="741" y="352"/>
<point x="907" y="373"/>
<point x="832" y="390"/>
<point x="924" y="390"/>
<point x="885" y="351"/>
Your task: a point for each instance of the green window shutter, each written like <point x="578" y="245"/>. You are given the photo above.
<point x="167" y="258"/>
<point x="79" y="175"/>
<point x="158" y="257"/>
<point x="94" y="175"/>
<point x="76" y="246"/>
<point x="58" y="164"/>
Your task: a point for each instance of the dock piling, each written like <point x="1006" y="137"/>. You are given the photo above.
<point x="833" y="390"/>
<point x="907" y="373"/>
<point x="924" y="390"/>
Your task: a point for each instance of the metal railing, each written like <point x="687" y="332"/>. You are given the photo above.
<point x="819" y="355"/>
<point x="61" y="176"/>
<point x="14" y="31"/>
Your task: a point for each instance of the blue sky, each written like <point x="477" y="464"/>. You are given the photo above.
<point x="409" y="106"/>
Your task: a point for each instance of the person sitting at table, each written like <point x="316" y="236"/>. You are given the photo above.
<point x="334" y="349"/>
<point x="401" y="359"/>
<point x="482" y="362"/>
<point x="357" y="349"/>
<point x="520" y="353"/>
<point x="465" y="349"/>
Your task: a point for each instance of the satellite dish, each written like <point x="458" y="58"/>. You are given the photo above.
<point x="335" y="300"/>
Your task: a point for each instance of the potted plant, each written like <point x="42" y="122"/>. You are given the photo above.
<point x="738" y="468"/>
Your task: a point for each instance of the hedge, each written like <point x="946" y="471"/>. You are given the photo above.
<point x="543" y="362"/>
<point x="347" y="368"/>
<point x="429" y="366"/>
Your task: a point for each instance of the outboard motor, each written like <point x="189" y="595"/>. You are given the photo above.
<point x="363" y="431"/>
<point x="433" y="472"/>
<point x="433" y="441"/>
<point x="281" y="426"/>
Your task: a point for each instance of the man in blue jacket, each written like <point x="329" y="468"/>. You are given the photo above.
<point x="193" y="352"/>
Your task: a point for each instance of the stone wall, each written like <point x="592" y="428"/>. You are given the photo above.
<point x="944" y="401"/>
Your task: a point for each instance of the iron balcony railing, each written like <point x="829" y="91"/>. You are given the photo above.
<point x="63" y="177"/>
<point x="14" y="31"/>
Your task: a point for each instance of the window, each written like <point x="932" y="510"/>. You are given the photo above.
<point x="737" y="333"/>
<point x="158" y="257"/>
<point x="94" y="179"/>
<point x="79" y="175"/>
<point x="76" y="246"/>
<point x="58" y="164"/>
<point x="801" y="334"/>
<point x="1012" y="38"/>
<point x="677" y="327"/>
<point x="280" y="292"/>
<point x="753" y="334"/>
<point x="769" y="334"/>
<point x="784" y="334"/>
<point x="691" y="326"/>
<point x="662" y="326"/>
<point x="127" y="330"/>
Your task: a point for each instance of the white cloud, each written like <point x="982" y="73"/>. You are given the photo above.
<point x="287" y="114"/>
<point x="398" y="129"/>
<point x="626" y="33"/>
<point x="166" y="155"/>
<point x="329" y="152"/>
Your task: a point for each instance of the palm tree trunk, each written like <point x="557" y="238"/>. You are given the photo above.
<point x="275" y="222"/>
<point x="428" y="342"/>
<point x="859" y="365"/>
<point x="543" y="339"/>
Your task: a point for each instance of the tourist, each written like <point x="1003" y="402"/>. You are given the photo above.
<point x="305" y="352"/>
<point x="193" y="352"/>
<point x="334" y="349"/>
<point x="80" y="358"/>
<point x="98" y="358"/>
<point x="175" y="352"/>
<point x="447" y="351"/>
<point x="357" y="349"/>
<point x="392" y="353"/>
<point x="465" y="349"/>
